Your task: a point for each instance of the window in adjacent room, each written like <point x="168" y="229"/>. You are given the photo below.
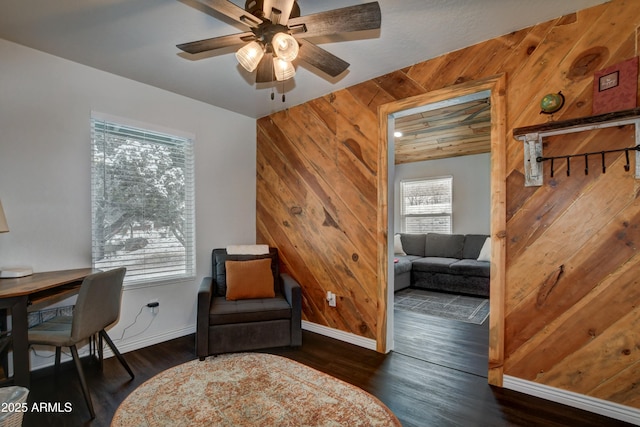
<point x="142" y="200"/>
<point x="426" y="205"/>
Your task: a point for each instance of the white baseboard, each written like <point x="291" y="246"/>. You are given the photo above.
<point x="339" y="335"/>
<point x="576" y="400"/>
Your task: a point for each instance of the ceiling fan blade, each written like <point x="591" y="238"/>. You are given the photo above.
<point x="267" y="5"/>
<point x="278" y="11"/>
<point x="352" y="18"/>
<point x="285" y="7"/>
<point x="264" y="72"/>
<point x="321" y="59"/>
<point x="232" y="11"/>
<point x="216" y="43"/>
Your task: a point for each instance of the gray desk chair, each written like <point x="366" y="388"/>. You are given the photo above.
<point x="97" y="306"/>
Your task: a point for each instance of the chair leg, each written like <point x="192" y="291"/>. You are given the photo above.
<point x="123" y="362"/>
<point x="5" y="354"/>
<point x="57" y="361"/>
<point x="100" y="353"/>
<point x="83" y="382"/>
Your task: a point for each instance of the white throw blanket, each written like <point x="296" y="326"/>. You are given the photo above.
<point x="247" y="249"/>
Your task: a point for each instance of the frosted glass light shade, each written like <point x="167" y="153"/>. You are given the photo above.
<point x="249" y="56"/>
<point x="283" y="70"/>
<point x="285" y="46"/>
<point x="4" y="227"/>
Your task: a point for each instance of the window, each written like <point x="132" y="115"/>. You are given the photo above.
<point x="142" y="201"/>
<point x="426" y="205"/>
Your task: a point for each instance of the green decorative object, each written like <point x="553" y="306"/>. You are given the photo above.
<point x="551" y="103"/>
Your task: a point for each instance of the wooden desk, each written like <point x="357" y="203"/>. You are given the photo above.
<point x="31" y="293"/>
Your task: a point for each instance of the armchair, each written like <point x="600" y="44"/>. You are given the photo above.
<point x="227" y="323"/>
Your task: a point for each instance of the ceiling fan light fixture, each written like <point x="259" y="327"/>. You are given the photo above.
<point x="285" y="46"/>
<point x="249" y="55"/>
<point x="284" y="70"/>
<point x="271" y="24"/>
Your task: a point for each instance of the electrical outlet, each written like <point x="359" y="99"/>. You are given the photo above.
<point x="331" y="298"/>
<point x="154" y="306"/>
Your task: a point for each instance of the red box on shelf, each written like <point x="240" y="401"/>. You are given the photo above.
<point x="616" y="88"/>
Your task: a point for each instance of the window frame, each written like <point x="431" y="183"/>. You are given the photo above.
<point x="185" y="143"/>
<point x="404" y="215"/>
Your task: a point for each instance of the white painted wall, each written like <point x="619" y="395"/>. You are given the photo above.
<point x="471" y="189"/>
<point x="45" y="107"/>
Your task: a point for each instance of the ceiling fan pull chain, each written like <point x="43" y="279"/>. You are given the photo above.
<point x="273" y="94"/>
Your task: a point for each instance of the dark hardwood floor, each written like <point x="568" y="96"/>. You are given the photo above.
<point x="420" y="393"/>
<point x="448" y="343"/>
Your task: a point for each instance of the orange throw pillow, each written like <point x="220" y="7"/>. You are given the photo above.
<point x="249" y="279"/>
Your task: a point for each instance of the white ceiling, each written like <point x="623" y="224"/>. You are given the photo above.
<point x="137" y="39"/>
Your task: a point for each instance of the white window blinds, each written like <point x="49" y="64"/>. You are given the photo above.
<point x="426" y="205"/>
<point x="142" y="192"/>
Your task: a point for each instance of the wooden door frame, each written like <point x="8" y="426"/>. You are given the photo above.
<point x="497" y="86"/>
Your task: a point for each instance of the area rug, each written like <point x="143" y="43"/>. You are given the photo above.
<point x="441" y="304"/>
<point x="249" y="389"/>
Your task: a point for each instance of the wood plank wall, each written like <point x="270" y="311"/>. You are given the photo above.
<point x="572" y="297"/>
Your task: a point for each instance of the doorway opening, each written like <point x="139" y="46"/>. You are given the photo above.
<point x="442" y="185"/>
<point x="493" y="90"/>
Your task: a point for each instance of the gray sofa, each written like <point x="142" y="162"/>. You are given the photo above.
<point x="442" y="262"/>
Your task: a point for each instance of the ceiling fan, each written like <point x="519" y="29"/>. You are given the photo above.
<point x="277" y="35"/>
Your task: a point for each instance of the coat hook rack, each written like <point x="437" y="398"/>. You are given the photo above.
<point x="602" y="154"/>
<point x="532" y="137"/>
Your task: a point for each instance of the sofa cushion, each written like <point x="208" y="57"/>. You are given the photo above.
<point x="413" y="244"/>
<point x="472" y="245"/>
<point x="249" y="279"/>
<point x="223" y="311"/>
<point x="403" y="264"/>
<point x="444" y="245"/>
<point x="433" y="264"/>
<point x="471" y="267"/>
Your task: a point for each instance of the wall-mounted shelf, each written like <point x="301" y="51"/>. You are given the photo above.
<point x="532" y="137"/>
